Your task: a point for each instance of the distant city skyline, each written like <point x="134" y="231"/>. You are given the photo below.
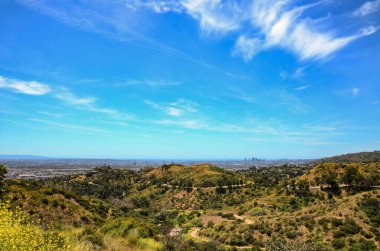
<point x="200" y="79"/>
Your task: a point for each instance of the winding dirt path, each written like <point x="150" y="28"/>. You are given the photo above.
<point x="194" y="232"/>
<point x="246" y="221"/>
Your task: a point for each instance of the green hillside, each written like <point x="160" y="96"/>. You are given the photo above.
<point x="203" y="175"/>
<point x="330" y="206"/>
<point x="361" y="157"/>
<point x="352" y="174"/>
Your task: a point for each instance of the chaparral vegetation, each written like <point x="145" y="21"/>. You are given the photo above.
<point x="324" y="205"/>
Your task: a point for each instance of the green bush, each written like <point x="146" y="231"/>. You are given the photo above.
<point x="336" y="222"/>
<point x="350" y="227"/>
<point x="338" y="243"/>
<point x="371" y="206"/>
<point x="91" y="235"/>
<point x="291" y="234"/>
<point x="362" y="245"/>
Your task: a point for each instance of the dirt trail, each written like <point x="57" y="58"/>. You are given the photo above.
<point x="195" y="187"/>
<point x="246" y="221"/>
<point x="194" y="233"/>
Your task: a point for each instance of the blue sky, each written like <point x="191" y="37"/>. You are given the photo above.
<point x="189" y="79"/>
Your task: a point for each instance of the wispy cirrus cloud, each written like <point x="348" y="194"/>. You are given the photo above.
<point x="302" y="88"/>
<point x="175" y="109"/>
<point x="24" y="87"/>
<point x="118" y="20"/>
<point x="281" y="25"/>
<point x="88" y="103"/>
<point x="215" y="16"/>
<point x="66" y="95"/>
<point x="367" y="8"/>
<point x="273" y="24"/>
<point x="150" y="83"/>
<point x="297" y="74"/>
<point x="317" y="133"/>
<point x="187" y="124"/>
<point x="258" y="25"/>
<point x="71" y="127"/>
<point x="355" y="91"/>
<point x="246" y="47"/>
<point x="62" y="93"/>
<point x="157" y="6"/>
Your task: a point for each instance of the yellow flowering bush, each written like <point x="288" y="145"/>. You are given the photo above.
<point x="17" y="232"/>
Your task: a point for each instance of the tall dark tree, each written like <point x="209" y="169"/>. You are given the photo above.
<point x="3" y="171"/>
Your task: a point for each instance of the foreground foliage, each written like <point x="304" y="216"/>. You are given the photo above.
<point x="18" y="233"/>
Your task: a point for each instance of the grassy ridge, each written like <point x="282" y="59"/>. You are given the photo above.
<point x="361" y="157"/>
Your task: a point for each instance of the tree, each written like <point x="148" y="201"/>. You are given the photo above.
<point x="3" y="171"/>
<point x="352" y="177"/>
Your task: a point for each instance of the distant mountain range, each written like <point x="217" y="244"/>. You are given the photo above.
<point x="22" y="157"/>
<point x="361" y="157"/>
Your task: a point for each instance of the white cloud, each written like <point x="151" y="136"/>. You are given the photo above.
<point x="88" y="104"/>
<point x="188" y="124"/>
<point x="281" y="26"/>
<point x="355" y="91"/>
<point x="369" y="30"/>
<point x="175" y="109"/>
<point x="157" y="6"/>
<point x="367" y="8"/>
<point x="273" y="24"/>
<point x="172" y="111"/>
<point x="25" y="87"/>
<point x="258" y="24"/>
<point x="247" y="47"/>
<point x="297" y="74"/>
<point x="302" y="88"/>
<point x="67" y="96"/>
<point x="151" y="83"/>
<point x="307" y="43"/>
<point x="215" y="16"/>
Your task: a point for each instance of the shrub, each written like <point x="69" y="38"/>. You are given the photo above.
<point x="350" y="227"/>
<point x="371" y="206"/>
<point x="17" y="232"/>
<point x="133" y="237"/>
<point x="91" y="235"/>
<point x="280" y="244"/>
<point x="338" y="243"/>
<point x="229" y="216"/>
<point x="95" y="239"/>
<point x="291" y="234"/>
<point x="336" y="222"/>
<point x="363" y="244"/>
<point x="54" y="203"/>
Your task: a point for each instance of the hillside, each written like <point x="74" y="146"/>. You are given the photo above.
<point x="204" y="207"/>
<point x="351" y="174"/>
<point x="203" y="175"/>
<point x="361" y="157"/>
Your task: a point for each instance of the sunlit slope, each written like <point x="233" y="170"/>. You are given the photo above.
<point x="351" y="174"/>
<point x="203" y="175"/>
